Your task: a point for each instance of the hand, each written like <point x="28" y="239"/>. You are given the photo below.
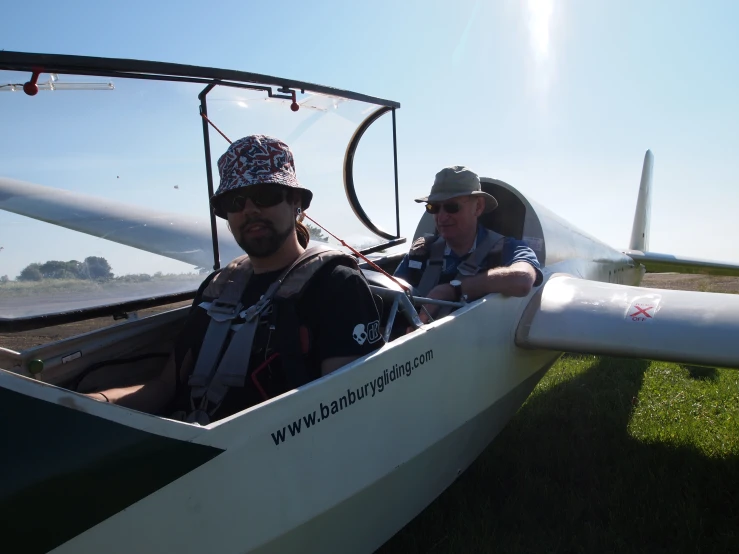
<point x="439" y="292"/>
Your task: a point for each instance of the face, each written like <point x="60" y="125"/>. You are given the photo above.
<point x="261" y="217"/>
<point x="460" y="224"/>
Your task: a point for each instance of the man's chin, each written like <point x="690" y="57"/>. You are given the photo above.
<point x="264" y="246"/>
<point x="259" y="248"/>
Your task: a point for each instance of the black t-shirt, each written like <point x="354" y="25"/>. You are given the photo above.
<point x="339" y="318"/>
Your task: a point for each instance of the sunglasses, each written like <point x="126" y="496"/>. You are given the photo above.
<point x="264" y="197"/>
<point x="449" y="207"/>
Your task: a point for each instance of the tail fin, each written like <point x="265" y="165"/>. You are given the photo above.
<point x="640" y="229"/>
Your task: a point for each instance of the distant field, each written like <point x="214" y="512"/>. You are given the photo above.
<point x="30" y="299"/>
<point x="71" y="286"/>
<point x="703" y="283"/>
<point x="606" y="455"/>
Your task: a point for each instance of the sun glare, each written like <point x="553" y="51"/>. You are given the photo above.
<point x="540" y="13"/>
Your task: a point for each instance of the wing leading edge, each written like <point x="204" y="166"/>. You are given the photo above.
<point x="667" y="263"/>
<point x="168" y="234"/>
<point x="576" y="315"/>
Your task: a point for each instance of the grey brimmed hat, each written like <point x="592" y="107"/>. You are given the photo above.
<point x="257" y="160"/>
<point x="457" y="180"/>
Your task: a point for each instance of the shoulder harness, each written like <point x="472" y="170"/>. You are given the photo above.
<point x="215" y="369"/>
<point x="430" y="249"/>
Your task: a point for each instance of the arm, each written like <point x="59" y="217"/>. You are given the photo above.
<point x="151" y="396"/>
<point x="348" y="326"/>
<point x="515" y="280"/>
<point x="519" y="273"/>
<point x="332" y="364"/>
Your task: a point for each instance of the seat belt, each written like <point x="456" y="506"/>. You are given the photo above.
<point x="222" y="312"/>
<point x="432" y="273"/>
<point x="471" y="266"/>
<point x="232" y="371"/>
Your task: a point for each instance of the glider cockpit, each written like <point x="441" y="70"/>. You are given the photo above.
<point x="114" y="175"/>
<point x="514" y="217"/>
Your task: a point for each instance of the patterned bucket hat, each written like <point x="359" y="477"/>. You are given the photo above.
<point x="257" y="160"/>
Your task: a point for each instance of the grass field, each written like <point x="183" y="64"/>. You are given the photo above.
<point x="606" y="455"/>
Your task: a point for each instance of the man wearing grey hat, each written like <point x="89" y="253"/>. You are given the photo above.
<point x="464" y="260"/>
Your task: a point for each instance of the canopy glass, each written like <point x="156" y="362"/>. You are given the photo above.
<point x="104" y="184"/>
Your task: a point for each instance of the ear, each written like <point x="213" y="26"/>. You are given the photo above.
<point x="480" y="206"/>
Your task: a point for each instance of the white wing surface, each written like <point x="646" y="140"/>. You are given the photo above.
<point x="167" y="234"/>
<point x="667" y="263"/>
<point x="575" y="315"/>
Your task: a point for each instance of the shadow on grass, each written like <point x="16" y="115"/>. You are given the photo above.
<point x="701" y="373"/>
<point x="565" y="476"/>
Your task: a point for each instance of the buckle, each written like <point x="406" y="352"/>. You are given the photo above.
<point x="466" y="268"/>
<point x="223" y="311"/>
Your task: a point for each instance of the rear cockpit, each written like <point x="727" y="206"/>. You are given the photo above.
<point x="514" y="217"/>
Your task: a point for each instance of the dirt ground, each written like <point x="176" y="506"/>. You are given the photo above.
<point x="28" y="339"/>
<point x="703" y="283"/>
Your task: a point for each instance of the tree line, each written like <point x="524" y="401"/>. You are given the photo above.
<point x="93" y="268"/>
<point x="96" y="268"/>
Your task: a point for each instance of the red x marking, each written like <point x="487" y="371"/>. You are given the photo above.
<point x="640" y="311"/>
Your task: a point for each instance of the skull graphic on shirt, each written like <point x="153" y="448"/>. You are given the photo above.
<point x="359" y="334"/>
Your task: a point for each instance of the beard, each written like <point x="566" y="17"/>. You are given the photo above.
<point x="265" y="245"/>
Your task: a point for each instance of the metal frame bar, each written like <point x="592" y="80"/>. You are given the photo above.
<point x="209" y="173"/>
<point x="351" y="192"/>
<point x="140" y="69"/>
<point x="395" y="164"/>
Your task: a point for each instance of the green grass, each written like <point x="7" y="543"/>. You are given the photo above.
<point x="606" y="455"/>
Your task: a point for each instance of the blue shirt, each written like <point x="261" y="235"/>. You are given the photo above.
<point x="514" y="251"/>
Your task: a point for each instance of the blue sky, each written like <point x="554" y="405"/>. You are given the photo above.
<point x="560" y="99"/>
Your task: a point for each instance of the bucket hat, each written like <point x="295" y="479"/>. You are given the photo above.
<point x="455" y="181"/>
<point x="257" y="160"/>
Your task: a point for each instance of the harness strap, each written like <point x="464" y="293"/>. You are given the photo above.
<point x="471" y="266"/>
<point x="222" y="311"/>
<point x="432" y="273"/>
<point x="232" y="371"/>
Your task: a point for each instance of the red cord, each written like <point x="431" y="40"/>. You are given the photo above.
<point x="216" y="128"/>
<point x="378" y="268"/>
<point x="260" y="368"/>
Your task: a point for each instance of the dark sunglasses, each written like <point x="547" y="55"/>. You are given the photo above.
<point x="449" y="207"/>
<point x="264" y="197"/>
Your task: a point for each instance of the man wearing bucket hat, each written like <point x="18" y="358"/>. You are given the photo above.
<point x="465" y="260"/>
<point x="271" y="320"/>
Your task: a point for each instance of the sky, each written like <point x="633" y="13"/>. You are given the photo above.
<point x="561" y="99"/>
